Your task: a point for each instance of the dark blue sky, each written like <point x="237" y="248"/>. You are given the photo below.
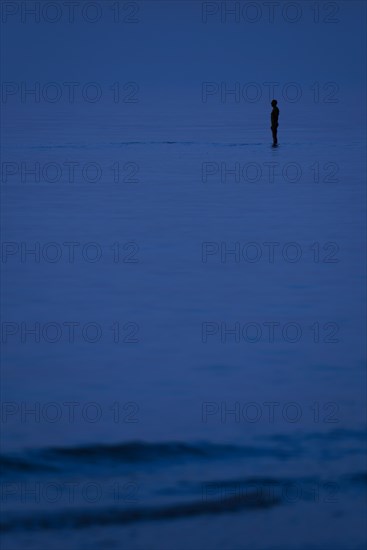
<point x="170" y="47"/>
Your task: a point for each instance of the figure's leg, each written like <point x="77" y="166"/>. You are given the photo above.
<point x="276" y="136"/>
<point x="274" y="133"/>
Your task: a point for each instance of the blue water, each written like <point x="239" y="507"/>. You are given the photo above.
<point x="171" y="442"/>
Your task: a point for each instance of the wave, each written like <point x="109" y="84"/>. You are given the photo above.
<point x="165" y="480"/>
<point x="78" y="519"/>
<point x="134" y="452"/>
<point x="278" y="447"/>
<point x="223" y="496"/>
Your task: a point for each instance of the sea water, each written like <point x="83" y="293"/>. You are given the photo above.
<point x="189" y="372"/>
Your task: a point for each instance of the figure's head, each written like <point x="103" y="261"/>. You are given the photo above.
<point x="274" y="103"/>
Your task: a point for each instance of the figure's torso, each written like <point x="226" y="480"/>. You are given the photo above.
<point x="274" y="116"/>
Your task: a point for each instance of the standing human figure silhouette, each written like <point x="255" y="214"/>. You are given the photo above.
<point x="274" y="121"/>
